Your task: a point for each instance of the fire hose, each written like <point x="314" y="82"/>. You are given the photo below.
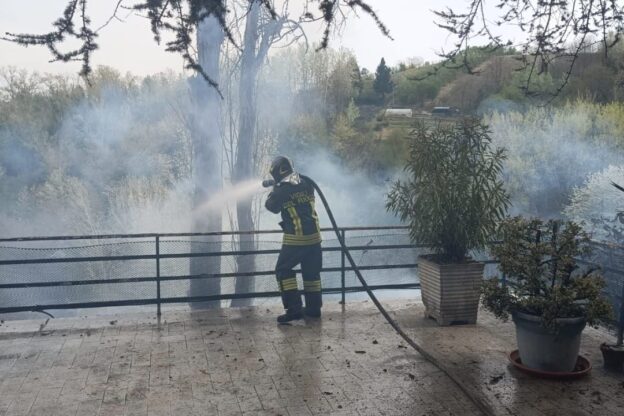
<point x="481" y="404"/>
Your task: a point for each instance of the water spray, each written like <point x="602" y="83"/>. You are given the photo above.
<point x="481" y="404"/>
<point x="230" y="194"/>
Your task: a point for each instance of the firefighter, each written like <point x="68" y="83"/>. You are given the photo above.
<point x="293" y="197"/>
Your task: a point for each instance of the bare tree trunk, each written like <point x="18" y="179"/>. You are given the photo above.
<point x="207" y="151"/>
<point x="243" y="168"/>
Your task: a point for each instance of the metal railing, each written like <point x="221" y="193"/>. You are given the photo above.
<point x="158" y="278"/>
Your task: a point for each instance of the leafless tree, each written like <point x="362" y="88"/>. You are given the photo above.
<point x="262" y="30"/>
<point x="206" y="138"/>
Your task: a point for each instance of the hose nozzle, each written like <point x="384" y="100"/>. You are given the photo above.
<point x="267" y="183"/>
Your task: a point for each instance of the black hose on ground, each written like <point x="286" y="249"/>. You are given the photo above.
<point x="43" y="312"/>
<point x="480" y="403"/>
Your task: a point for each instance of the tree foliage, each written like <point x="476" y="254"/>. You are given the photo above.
<point x="383" y="84"/>
<point x="553" y="150"/>
<point x="454" y="85"/>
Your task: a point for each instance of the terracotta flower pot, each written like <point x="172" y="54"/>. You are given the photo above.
<point x="450" y="292"/>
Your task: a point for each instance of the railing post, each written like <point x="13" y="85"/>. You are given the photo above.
<point x="620" y="333"/>
<point x="158" y="275"/>
<point x="342" y="264"/>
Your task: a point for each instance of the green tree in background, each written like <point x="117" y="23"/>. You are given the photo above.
<point x="383" y="80"/>
<point x="356" y="78"/>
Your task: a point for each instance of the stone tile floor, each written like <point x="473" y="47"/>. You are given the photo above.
<point x="239" y="362"/>
<point x="477" y="356"/>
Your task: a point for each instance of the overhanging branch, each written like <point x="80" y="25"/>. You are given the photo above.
<point x="178" y="18"/>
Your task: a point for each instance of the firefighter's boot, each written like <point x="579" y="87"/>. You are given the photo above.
<point x="292" y="303"/>
<point x="289" y="316"/>
<point x="313" y="303"/>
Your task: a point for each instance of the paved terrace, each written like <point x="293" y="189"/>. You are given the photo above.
<point x="239" y="362"/>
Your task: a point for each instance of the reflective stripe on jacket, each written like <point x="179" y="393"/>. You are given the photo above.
<point x="295" y="203"/>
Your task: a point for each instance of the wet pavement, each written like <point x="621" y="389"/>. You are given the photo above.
<point x="239" y="362"/>
<point x="478" y="357"/>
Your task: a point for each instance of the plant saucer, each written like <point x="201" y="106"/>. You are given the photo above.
<point x="583" y="367"/>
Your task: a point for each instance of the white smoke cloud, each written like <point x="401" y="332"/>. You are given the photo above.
<point x="550" y="151"/>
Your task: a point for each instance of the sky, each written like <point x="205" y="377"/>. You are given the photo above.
<point x="129" y="46"/>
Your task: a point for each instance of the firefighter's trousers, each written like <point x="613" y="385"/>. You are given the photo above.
<point x="311" y="260"/>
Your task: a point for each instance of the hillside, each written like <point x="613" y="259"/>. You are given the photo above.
<point x="467" y="91"/>
<point x="501" y="75"/>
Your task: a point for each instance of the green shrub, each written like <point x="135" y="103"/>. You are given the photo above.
<point x="453" y="196"/>
<point x="543" y="276"/>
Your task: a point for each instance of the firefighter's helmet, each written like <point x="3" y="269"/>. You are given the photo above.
<point x="281" y="167"/>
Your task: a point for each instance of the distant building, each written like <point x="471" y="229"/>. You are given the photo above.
<point x="399" y="112"/>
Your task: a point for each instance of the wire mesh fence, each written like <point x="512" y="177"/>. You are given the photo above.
<point x="65" y="272"/>
<point x="39" y="274"/>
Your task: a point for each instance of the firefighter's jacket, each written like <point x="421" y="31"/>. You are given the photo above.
<point x="296" y="205"/>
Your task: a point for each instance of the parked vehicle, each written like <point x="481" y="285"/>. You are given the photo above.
<point x="445" y="112"/>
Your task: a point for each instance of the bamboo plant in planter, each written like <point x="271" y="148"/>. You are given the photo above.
<point x="549" y="296"/>
<point x="452" y="198"/>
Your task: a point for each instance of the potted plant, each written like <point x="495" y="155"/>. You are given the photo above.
<point x="452" y="199"/>
<point x="549" y="296"/>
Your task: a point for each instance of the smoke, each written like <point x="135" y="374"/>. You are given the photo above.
<point x="552" y="151"/>
<point x="119" y="159"/>
<point x="115" y="158"/>
<point x="355" y="198"/>
<point x="599" y="206"/>
<point x="230" y="195"/>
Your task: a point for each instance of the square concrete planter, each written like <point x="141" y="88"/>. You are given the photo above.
<point x="450" y="292"/>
